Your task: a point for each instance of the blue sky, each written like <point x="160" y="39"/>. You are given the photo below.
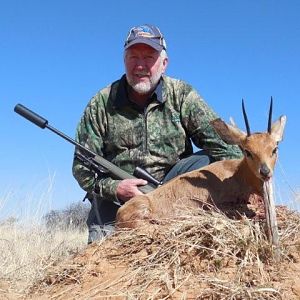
<point x="55" y="55"/>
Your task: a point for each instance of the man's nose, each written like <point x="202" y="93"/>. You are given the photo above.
<point x="140" y="63"/>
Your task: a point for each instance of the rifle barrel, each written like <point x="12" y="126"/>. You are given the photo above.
<point x="43" y="123"/>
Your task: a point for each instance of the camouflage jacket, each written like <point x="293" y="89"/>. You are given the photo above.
<point x="154" y="138"/>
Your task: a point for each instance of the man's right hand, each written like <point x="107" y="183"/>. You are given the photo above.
<point x="128" y="188"/>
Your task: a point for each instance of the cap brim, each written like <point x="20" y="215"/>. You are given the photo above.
<point x="148" y="42"/>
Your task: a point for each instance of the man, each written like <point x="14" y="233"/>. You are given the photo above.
<point x="144" y="119"/>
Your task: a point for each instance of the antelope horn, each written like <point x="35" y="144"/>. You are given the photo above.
<point x="270" y="115"/>
<point x="245" y="118"/>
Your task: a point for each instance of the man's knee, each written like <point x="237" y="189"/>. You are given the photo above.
<point x="190" y="163"/>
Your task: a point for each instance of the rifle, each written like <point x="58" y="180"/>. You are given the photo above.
<point x="90" y="159"/>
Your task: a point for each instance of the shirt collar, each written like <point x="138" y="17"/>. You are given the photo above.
<point x="122" y="100"/>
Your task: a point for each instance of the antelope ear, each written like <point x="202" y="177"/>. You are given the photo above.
<point x="228" y="133"/>
<point x="278" y="128"/>
<point x="232" y="123"/>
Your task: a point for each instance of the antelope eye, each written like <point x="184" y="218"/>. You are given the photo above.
<point x="247" y="153"/>
<point x="274" y="151"/>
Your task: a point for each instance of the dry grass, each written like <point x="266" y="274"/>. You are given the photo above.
<point x="201" y="255"/>
<point x="27" y="247"/>
<point x="28" y="250"/>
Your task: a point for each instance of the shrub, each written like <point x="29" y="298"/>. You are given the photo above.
<point x="72" y="217"/>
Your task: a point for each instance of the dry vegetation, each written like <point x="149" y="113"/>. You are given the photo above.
<point x="28" y="249"/>
<point x="203" y="255"/>
<point x="200" y="255"/>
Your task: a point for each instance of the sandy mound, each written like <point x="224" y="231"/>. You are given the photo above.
<point x="203" y="255"/>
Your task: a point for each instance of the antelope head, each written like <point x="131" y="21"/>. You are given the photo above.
<point x="259" y="149"/>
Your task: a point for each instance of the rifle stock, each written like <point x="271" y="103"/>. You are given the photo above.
<point x="96" y="161"/>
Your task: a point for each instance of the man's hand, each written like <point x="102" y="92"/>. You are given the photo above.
<point x="128" y="188"/>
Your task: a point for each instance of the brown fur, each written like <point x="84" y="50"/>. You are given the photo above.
<point x="226" y="184"/>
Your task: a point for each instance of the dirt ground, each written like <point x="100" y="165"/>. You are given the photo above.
<point x="204" y="256"/>
<point x="91" y="276"/>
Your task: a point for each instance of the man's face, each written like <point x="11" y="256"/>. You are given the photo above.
<point x="144" y="67"/>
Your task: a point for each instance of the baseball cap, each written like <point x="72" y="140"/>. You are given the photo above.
<point x="146" y="34"/>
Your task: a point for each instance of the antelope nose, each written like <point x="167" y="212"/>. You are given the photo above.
<point x="264" y="170"/>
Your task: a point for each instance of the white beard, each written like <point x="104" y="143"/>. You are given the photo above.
<point x="142" y="87"/>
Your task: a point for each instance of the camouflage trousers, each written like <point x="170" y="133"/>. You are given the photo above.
<point x="103" y="213"/>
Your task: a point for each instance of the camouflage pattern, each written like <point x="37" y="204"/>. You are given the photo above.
<point x="154" y="139"/>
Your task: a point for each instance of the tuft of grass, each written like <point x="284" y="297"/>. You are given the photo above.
<point x="27" y="250"/>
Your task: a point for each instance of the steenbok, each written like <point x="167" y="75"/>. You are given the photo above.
<point x="227" y="184"/>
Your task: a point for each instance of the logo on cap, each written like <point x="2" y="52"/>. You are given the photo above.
<point x="146" y="34"/>
<point x="144" y="31"/>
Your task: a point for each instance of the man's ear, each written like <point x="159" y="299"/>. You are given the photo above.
<point x="278" y="128"/>
<point x="228" y="133"/>
<point x="165" y="64"/>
